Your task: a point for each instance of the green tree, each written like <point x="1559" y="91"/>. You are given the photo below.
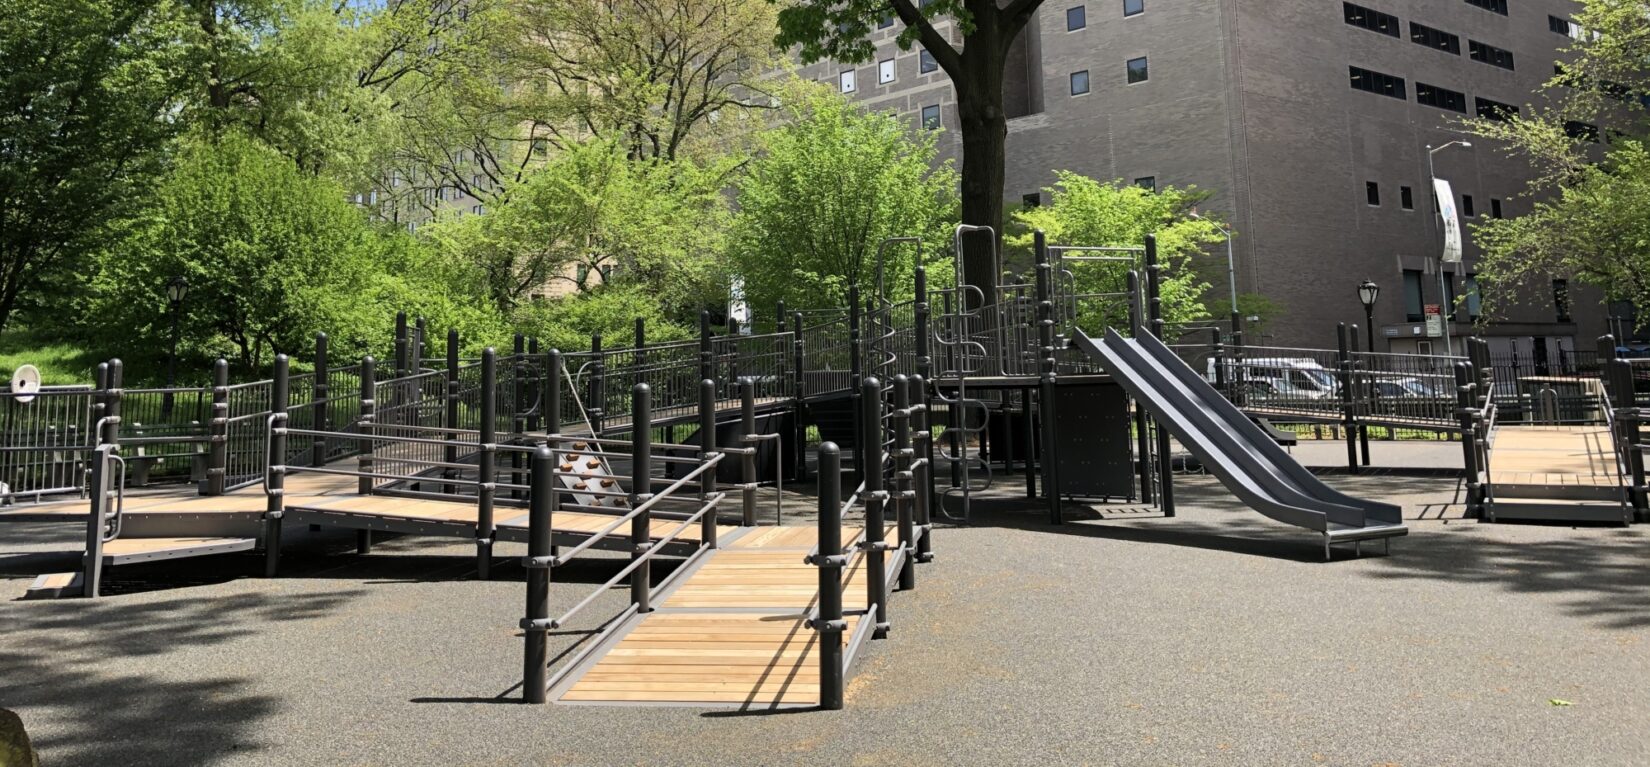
<point x="1590" y="211"/>
<point x="827" y="188"/>
<point x="830" y="29"/>
<point x="86" y="90"/>
<point x="1084" y="211"/>
<point x="567" y="323"/>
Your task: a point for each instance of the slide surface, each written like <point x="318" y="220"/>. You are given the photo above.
<point x="1240" y="453"/>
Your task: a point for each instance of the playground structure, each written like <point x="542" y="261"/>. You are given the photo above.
<point x="639" y="450"/>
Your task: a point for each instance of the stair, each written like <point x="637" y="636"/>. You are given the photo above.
<point x="130" y="551"/>
<point x="1538" y="509"/>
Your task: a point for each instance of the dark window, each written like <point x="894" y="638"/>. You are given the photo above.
<point x="1412" y="296"/>
<point x="1372" y="191"/>
<point x="1148" y="183"/>
<point x="1579" y="130"/>
<point x="1375" y="82"/>
<point x="1371" y="19"/>
<point x="1475" y="302"/>
<point x="1449" y="295"/>
<point x="1489" y="54"/>
<point x="1079" y="83"/>
<point x="1494" y="6"/>
<point x="1443" y="98"/>
<point x="931" y="117"/>
<point x="1132" y="7"/>
<point x="1076" y="18"/>
<point x="1495" y="208"/>
<point x="1561" y="299"/>
<point x="1495" y="110"/>
<point x="1434" y="38"/>
<point x="1406" y="197"/>
<point x="1033" y="200"/>
<point x="1466" y="206"/>
<point x="885" y="22"/>
<point x="926" y="62"/>
<point x="1558" y="25"/>
<point x="1137" y="70"/>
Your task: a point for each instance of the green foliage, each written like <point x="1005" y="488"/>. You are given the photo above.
<point x="830" y="185"/>
<point x="1088" y="212"/>
<point x="60" y="362"/>
<point x="567" y="323"/>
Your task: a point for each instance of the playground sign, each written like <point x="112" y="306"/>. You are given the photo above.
<point x="1435" y="320"/>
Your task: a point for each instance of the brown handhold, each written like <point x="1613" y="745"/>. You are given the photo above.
<point x="593" y="463"/>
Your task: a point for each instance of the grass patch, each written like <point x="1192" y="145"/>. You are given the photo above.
<point x="60" y="362"/>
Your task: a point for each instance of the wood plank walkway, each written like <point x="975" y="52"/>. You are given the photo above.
<point x="1553" y="455"/>
<point x="734" y="633"/>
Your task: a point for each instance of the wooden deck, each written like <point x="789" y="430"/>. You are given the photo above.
<point x="1553" y="455"/>
<point x="734" y="633"/>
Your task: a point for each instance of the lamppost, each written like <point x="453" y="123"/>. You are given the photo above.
<point x="175" y="291"/>
<point x="1367" y="293"/>
<point x="1437" y="210"/>
<point x="1231" y="270"/>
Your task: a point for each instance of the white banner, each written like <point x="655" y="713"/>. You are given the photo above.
<point x="1452" y="222"/>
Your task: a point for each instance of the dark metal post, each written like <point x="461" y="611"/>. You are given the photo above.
<point x="747" y="427"/>
<point x="1358" y="398"/>
<point x="595" y="406"/>
<point x="1045" y="383"/>
<point x="923" y="316"/>
<point x="876" y="575"/>
<point x="831" y="625"/>
<point x="799" y="438"/>
<point x="276" y="470"/>
<point x="1236" y="379"/>
<point x="539" y="563"/>
<point x="855" y="371"/>
<point x="1220" y="365"/>
<point x="449" y="451"/>
<point x="97" y="524"/>
<point x="518" y="414"/>
<point x="1344" y="360"/>
<point x="904" y="494"/>
<point x="1467" y="417"/>
<point x="319" y="390"/>
<point x="112" y="396"/>
<point x="1154" y="310"/>
<point x="369" y="414"/>
<point x="641" y="491"/>
<point x="706" y="355"/>
<point x="217" y="456"/>
<point x="923" y="479"/>
<point x="400" y="344"/>
<point x="1142" y="434"/>
<point x="1629" y="420"/>
<point x="486" y="463"/>
<point x="707" y="448"/>
<point x="536" y="384"/>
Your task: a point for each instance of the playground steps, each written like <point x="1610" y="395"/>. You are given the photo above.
<point x="1555" y="474"/>
<point x="130" y="551"/>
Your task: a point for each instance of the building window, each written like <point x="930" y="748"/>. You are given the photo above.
<point x="1495" y="208"/>
<point x="581" y="273"/>
<point x="1495" y="110"/>
<point x="926" y="62"/>
<point x="1148" y="183"/>
<point x="1406" y="197"/>
<point x="1566" y="28"/>
<point x="885" y="22"/>
<point x="1371" y="19"/>
<point x="931" y="117"/>
<point x="1489" y="54"/>
<point x="1579" y="130"/>
<point x="1138" y="72"/>
<point x="1475" y="302"/>
<point x="1076" y="18"/>
<point x="1372" y="192"/>
<point x="1133" y="7"/>
<point x="1412" y="296"/>
<point x="1561" y="299"/>
<point x="1443" y="98"/>
<point x="885" y="71"/>
<point x="477" y="209"/>
<point x="846" y="81"/>
<point x="1466" y="206"/>
<point x="1032" y="200"/>
<point x="1438" y="39"/>
<point x="1079" y="83"/>
<point x="1493" y="6"/>
<point x="1375" y="82"/>
<point x="1449" y="296"/>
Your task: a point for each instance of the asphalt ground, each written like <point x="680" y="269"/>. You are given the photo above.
<point x="1216" y="637"/>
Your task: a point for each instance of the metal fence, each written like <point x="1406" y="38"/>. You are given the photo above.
<point x="827" y="358"/>
<point x="46" y="441"/>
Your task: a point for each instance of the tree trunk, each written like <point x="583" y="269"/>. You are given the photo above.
<point x="984" y="128"/>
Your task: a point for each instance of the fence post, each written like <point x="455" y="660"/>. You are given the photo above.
<point x="904" y="487"/>
<point x="641" y="491"/>
<point x="830" y="625"/>
<point x="855" y="371"/>
<point x="400" y="344"/>
<point x="552" y="392"/>
<point x="539" y="563"/>
<point x="449" y="451"/>
<point x="1356" y="399"/>
<point x="747" y="427"/>
<point x="369" y="415"/>
<point x="415" y="348"/>
<point x="800" y="438"/>
<point x="97" y="524"/>
<point x="486" y="463"/>
<point x="923" y="474"/>
<point x="217" y="455"/>
<point x="1142" y="435"/>
<point x="876" y="573"/>
<point x="1045" y="384"/>
<point x="112" y="396"/>
<point x="1628" y="420"/>
<point x="706" y="361"/>
<point x="535" y="392"/>
<point x="923" y="316"/>
<point x="1154" y="289"/>
<point x="1344" y="362"/>
<point x="707" y="448"/>
<point x="319" y="406"/>
<point x="1220" y="366"/>
<point x="1467" y="417"/>
<point x="1236" y="379"/>
<point x="598" y="387"/>
<point x="275" y="477"/>
<point x="518" y="414"/>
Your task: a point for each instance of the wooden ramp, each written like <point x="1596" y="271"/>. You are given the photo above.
<point x="733" y="633"/>
<point x="1556" y="473"/>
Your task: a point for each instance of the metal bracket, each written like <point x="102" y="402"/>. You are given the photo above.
<point x="541" y="624"/>
<point x="824" y="560"/>
<point x="824" y="625"/>
<point x="642" y="548"/>
<point x="539" y="563"/>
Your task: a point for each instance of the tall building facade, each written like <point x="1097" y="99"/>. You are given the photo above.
<point x="1308" y="122"/>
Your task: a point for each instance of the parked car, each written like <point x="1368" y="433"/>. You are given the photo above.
<point x="1297" y="377"/>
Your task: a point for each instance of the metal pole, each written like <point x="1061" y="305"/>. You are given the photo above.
<point x="486" y="463"/>
<point x="97" y="524"/>
<point x="831" y="625"/>
<point x="400" y="344"/>
<point x="539" y="562"/>
<point x="1345" y="360"/>
<point x="598" y="387"/>
<point x="1467" y="417"/>
<point x="449" y="451"/>
<point x="876" y="579"/>
<point x="1045" y="383"/>
<point x="707" y="449"/>
<point x="1142" y="437"/>
<point x="369" y="414"/>
<point x="747" y="421"/>
<point x="799" y="430"/>
<point x="904" y="494"/>
<point x="855" y="371"/>
<point x="171" y="363"/>
<point x="319" y="392"/>
<point x="641" y="490"/>
<point x="924" y="477"/>
<point x="276" y="469"/>
<point x="217" y="468"/>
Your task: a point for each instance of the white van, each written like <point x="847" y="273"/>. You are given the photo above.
<point x="1292" y="376"/>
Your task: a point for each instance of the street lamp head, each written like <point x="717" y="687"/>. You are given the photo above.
<point x="1368" y="292"/>
<point x="177" y="289"/>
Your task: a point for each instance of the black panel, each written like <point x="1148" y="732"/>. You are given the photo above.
<point x="1092" y="441"/>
